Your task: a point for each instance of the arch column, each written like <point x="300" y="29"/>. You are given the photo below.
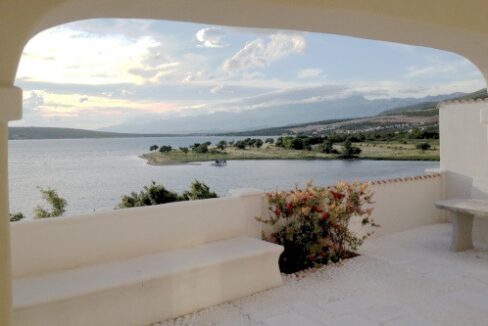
<point x="10" y="109"/>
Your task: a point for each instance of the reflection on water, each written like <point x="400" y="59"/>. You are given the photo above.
<point x="92" y="174"/>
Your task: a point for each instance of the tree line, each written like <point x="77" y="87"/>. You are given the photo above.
<point x="205" y="147"/>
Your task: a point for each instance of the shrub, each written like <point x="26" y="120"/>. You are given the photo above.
<point x="165" y="149"/>
<point x="423" y="146"/>
<point x="200" y="148"/>
<point x="198" y="190"/>
<point x="297" y="143"/>
<point x="269" y="141"/>
<point x="313" y="223"/>
<point x="222" y="145"/>
<point x="153" y="148"/>
<point x="14" y="217"/>
<point x="184" y="150"/>
<point x="349" y="151"/>
<point x="156" y="194"/>
<point x="258" y="143"/>
<point x="240" y="144"/>
<point x="328" y="147"/>
<point x="57" y="203"/>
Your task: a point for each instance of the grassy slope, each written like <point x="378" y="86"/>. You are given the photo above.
<point x="371" y="150"/>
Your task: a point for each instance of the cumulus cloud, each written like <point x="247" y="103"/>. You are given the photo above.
<point x="260" y="53"/>
<point x="211" y="37"/>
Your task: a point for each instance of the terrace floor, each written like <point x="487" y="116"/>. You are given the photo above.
<point x="407" y="278"/>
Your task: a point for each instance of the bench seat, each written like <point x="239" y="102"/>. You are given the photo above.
<point x="149" y="288"/>
<point x="478" y="207"/>
<point x="462" y="212"/>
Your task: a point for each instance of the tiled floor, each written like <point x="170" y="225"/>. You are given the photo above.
<point x="408" y="278"/>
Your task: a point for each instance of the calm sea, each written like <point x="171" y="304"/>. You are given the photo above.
<point x="92" y="174"/>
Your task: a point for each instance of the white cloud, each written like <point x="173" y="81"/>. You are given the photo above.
<point x="211" y="37"/>
<point x="414" y="72"/>
<point x="63" y="55"/>
<point x="260" y="53"/>
<point x="155" y="73"/>
<point x="220" y="89"/>
<point x="192" y="76"/>
<point x="309" y="73"/>
<point x="439" y="67"/>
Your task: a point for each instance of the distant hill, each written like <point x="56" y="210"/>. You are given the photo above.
<point x="264" y="113"/>
<point x="424" y="114"/>
<point x="430" y="108"/>
<point x="421" y="114"/>
<point x="67" y="133"/>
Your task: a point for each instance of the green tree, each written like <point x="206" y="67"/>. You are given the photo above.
<point x="258" y="143"/>
<point x="349" y="151"/>
<point x="423" y="146"/>
<point x="165" y="149"/>
<point x="328" y="147"/>
<point x="198" y="190"/>
<point x="240" y="144"/>
<point x="57" y="204"/>
<point x="184" y="150"/>
<point x="222" y="144"/>
<point x="269" y="141"/>
<point x="200" y="148"/>
<point x="297" y="144"/>
<point x="153" y="148"/>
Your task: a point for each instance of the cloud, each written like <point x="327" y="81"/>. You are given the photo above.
<point x="414" y="72"/>
<point x="192" y="76"/>
<point x="438" y="67"/>
<point x="155" y="73"/>
<point x="310" y="73"/>
<point x="211" y="37"/>
<point x="32" y="100"/>
<point x="220" y="89"/>
<point x="260" y="53"/>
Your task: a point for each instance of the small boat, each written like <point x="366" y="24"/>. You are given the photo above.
<point x="220" y="163"/>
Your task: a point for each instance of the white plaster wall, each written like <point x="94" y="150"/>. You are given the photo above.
<point x="43" y="246"/>
<point x="69" y="242"/>
<point x="404" y="203"/>
<point x="464" y="152"/>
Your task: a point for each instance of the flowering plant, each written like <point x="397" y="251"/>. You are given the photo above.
<point x="313" y="223"/>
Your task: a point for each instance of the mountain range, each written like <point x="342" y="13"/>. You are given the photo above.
<point x="422" y="113"/>
<point x="354" y="106"/>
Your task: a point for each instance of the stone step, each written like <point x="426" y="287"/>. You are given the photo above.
<point x="150" y="288"/>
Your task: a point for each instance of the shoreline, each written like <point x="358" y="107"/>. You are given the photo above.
<point x="177" y="158"/>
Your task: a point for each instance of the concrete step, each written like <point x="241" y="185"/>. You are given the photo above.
<point x="150" y="288"/>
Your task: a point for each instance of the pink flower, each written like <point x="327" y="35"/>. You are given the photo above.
<point x="277" y="211"/>
<point x="289" y="208"/>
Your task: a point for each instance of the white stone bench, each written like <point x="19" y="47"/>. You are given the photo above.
<point x="216" y="257"/>
<point x="463" y="211"/>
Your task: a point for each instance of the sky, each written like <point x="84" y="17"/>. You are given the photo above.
<point x="100" y="73"/>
